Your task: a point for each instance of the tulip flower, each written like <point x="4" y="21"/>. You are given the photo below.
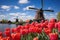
<point x="7" y="33"/>
<point x="0" y="37"/>
<point x="3" y="39"/>
<point x="0" y="33"/>
<point x="36" y="38"/>
<point x="38" y="25"/>
<point x="46" y="22"/>
<point x="14" y="30"/>
<point x="34" y="23"/>
<point x="47" y="31"/>
<point x="58" y="26"/>
<point x="35" y="29"/>
<point x="39" y="30"/>
<point x="53" y="36"/>
<point x="27" y="26"/>
<point x="7" y="29"/>
<point x="30" y="29"/>
<point x="24" y="31"/>
<point x="8" y="38"/>
<point x="17" y="29"/>
<point x="52" y="20"/>
<point x="51" y="25"/>
<point x="15" y="36"/>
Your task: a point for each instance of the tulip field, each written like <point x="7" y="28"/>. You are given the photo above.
<point x="47" y="30"/>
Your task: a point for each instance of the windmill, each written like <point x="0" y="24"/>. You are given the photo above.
<point x="39" y="15"/>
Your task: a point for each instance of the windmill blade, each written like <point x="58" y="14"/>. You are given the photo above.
<point x="33" y="8"/>
<point x="42" y="3"/>
<point x="49" y="10"/>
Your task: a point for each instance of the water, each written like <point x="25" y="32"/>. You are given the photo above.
<point x="3" y="26"/>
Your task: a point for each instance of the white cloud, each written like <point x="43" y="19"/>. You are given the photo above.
<point x="27" y="8"/>
<point x="23" y="1"/>
<point x="16" y="7"/>
<point x="56" y="14"/>
<point x="49" y="8"/>
<point x="30" y="17"/>
<point x="2" y="17"/>
<point x="22" y="16"/>
<point x="50" y="16"/>
<point x="17" y="14"/>
<point x="14" y="14"/>
<point x="45" y="14"/>
<point x="5" y="7"/>
<point x="12" y="18"/>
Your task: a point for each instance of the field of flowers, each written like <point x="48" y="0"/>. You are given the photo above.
<point x="48" y="30"/>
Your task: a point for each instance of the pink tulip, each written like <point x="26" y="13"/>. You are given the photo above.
<point x="53" y="36"/>
<point x="58" y="26"/>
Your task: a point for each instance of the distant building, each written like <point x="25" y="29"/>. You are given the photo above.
<point x="17" y="20"/>
<point x="9" y="22"/>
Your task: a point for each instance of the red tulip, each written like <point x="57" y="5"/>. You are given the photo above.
<point x="42" y="21"/>
<point x="0" y="37"/>
<point x="39" y="30"/>
<point x="30" y="29"/>
<point x="58" y="26"/>
<point x="51" y="25"/>
<point x="36" y="38"/>
<point x="52" y="20"/>
<point x="46" y="22"/>
<point x="1" y="34"/>
<point x="17" y="29"/>
<point x="43" y="25"/>
<point x="38" y="25"/>
<point x="24" y="31"/>
<point x="7" y="33"/>
<point x="27" y="26"/>
<point x="15" y="36"/>
<point x="35" y="29"/>
<point x="3" y="39"/>
<point x="7" y="29"/>
<point x="47" y="31"/>
<point x="53" y="36"/>
<point x="8" y="38"/>
<point x="34" y="23"/>
<point x="14" y="30"/>
<point x="20" y="27"/>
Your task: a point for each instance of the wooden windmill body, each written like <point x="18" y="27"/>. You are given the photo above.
<point x="39" y="14"/>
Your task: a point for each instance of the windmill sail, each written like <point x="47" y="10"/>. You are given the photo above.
<point x="42" y="3"/>
<point x="39" y="14"/>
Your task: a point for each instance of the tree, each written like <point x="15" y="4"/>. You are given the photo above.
<point x="58" y="16"/>
<point x="4" y="21"/>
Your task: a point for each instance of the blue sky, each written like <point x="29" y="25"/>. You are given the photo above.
<point x="11" y="9"/>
